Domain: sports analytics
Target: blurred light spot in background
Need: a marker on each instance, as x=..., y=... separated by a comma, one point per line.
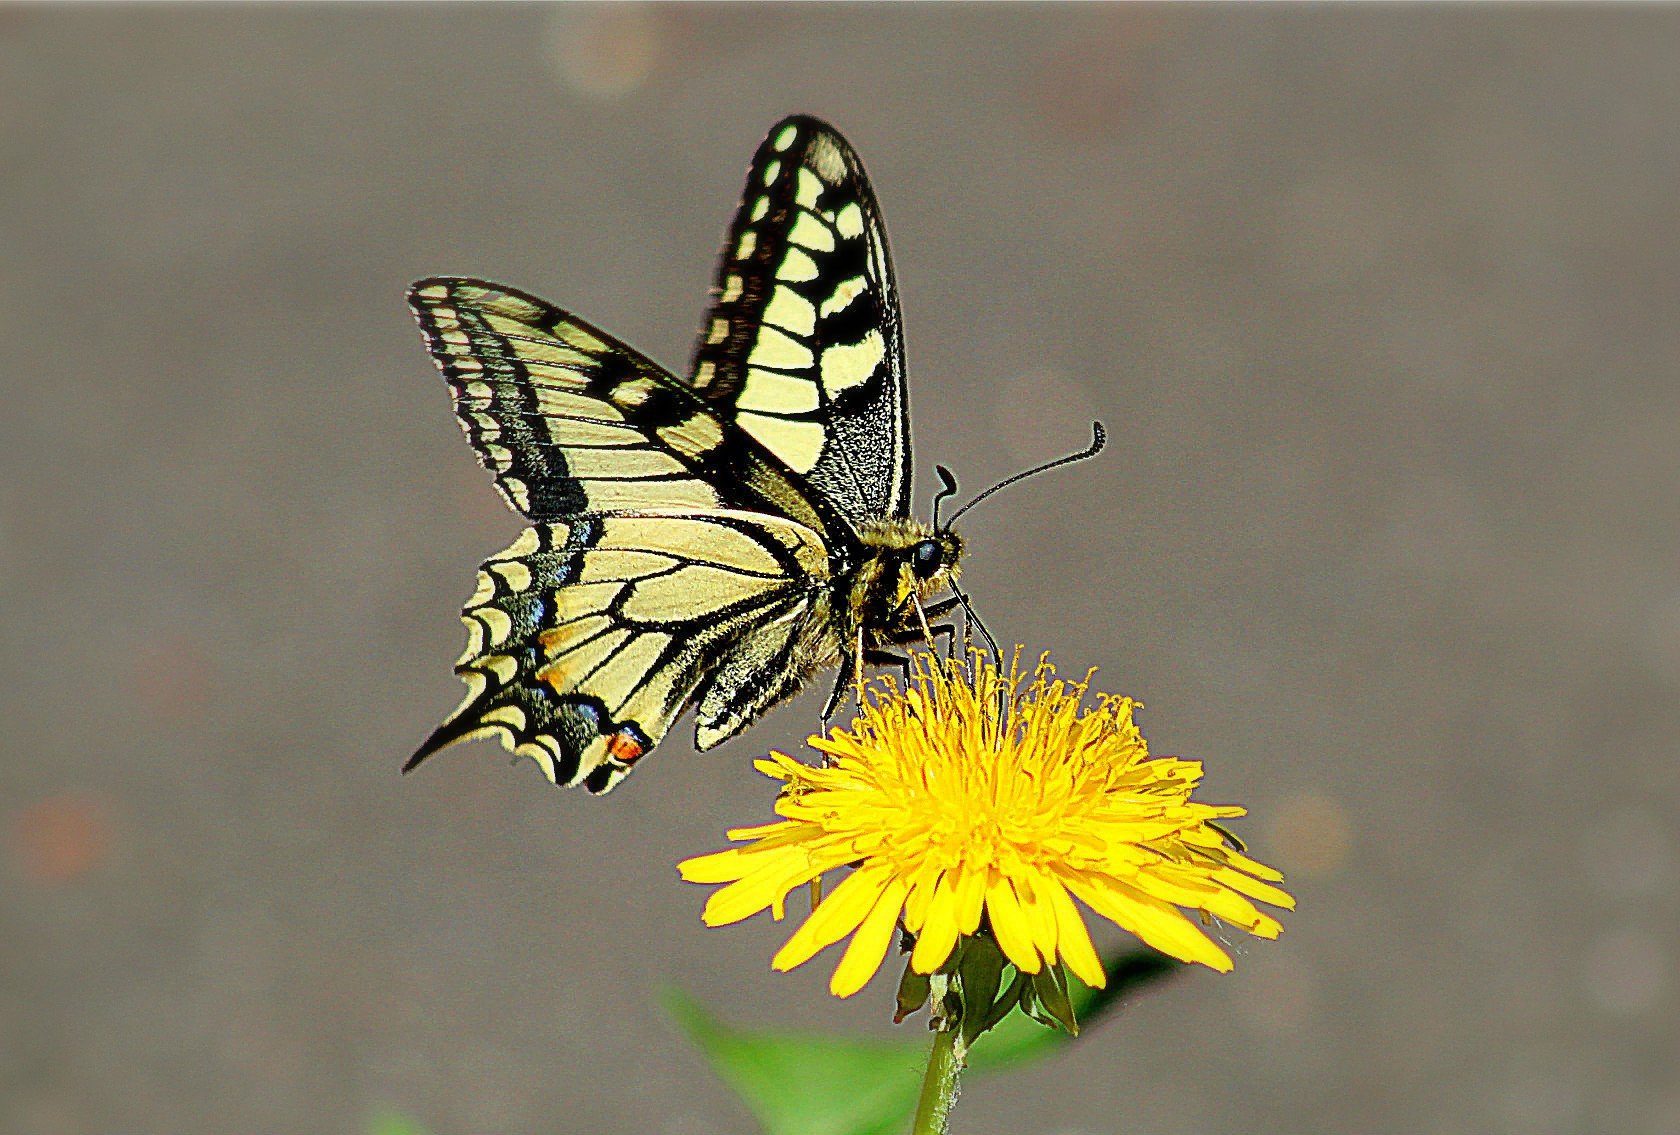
x=1629, y=853
x=171, y=679
x=1626, y=972
x=1041, y=414
x=61, y=838
x=1276, y=993
x=1661, y=640
x=1091, y=85
x=1308, y=835
x=607, y=51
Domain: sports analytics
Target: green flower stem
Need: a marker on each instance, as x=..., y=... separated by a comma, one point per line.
x=939, y=1085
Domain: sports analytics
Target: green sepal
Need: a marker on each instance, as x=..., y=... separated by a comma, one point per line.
x=913, y=990
x=1007, y=1002
x=1050, y=989
x=979, y=975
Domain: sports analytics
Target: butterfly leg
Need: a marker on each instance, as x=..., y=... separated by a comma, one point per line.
x=834, y=697
x=857, y=667
x=921, y=617
x=839, y=689
x=947, y=631
x=890, y=658
x=934, y=611
x=928, y=632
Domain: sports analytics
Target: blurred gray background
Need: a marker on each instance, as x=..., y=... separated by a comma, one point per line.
x=1380, y=305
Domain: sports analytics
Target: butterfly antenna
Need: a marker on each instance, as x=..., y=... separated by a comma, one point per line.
x=1099, y=438
x=947, y=489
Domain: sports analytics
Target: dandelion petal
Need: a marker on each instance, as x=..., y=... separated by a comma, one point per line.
x=938, y=933
x=869, y=944
x=835, y=917
x=1157, y=923
x=1009, y=923
x=1073, y=940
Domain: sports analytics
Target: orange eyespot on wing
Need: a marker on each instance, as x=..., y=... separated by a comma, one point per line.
x=624, y=748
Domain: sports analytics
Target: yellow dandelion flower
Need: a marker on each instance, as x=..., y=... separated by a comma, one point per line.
x=971, y=796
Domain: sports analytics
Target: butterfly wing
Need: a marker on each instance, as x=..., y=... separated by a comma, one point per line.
x=588, y=637
x=572, y=421
x=673, y=562
x=803, y=344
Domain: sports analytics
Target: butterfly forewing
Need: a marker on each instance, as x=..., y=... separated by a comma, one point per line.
x=570, y=420
x=803, y=344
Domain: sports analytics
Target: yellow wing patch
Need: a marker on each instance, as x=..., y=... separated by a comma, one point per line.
x=568, y=420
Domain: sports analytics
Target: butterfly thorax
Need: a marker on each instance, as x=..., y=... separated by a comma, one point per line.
x=904, y=562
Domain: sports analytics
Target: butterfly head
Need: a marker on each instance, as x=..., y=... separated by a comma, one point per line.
x=908, y=561
x=932, y=561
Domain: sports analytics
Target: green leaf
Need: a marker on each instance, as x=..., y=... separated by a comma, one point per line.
x=385, y=1122
x=809, y=1085
x=804, y=1084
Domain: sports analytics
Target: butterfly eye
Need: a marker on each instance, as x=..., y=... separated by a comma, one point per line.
x=924, y=558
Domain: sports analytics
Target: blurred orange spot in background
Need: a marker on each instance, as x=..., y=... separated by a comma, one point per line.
x=1089, y=85
x=61, y=838
x=607, y=52
x=1308, y=836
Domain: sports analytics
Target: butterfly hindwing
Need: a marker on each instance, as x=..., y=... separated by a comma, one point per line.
x=588, y=637
x=803, y=343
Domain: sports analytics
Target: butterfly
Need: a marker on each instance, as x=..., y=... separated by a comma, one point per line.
x=712, y=543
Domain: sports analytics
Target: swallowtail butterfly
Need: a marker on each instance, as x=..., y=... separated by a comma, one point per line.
x=711, y=543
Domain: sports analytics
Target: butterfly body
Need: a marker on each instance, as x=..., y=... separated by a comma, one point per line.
x=710, y=544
